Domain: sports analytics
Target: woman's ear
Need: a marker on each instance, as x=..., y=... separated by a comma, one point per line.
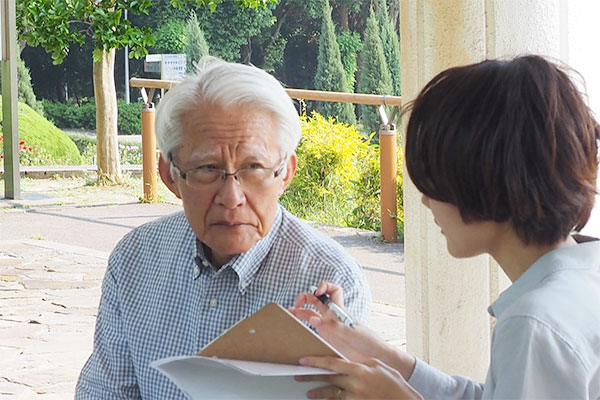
x=164, y=169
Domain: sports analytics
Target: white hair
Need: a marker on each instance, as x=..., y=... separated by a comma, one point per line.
x=225, y=84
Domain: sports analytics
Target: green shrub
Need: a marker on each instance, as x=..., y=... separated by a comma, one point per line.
x=337, y=181
x=73, y=116
x=49, y=145
x=130, y=118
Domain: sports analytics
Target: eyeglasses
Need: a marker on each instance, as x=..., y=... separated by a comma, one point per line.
x=254, y=175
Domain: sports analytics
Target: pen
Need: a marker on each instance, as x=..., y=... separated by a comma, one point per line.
x=341, y=314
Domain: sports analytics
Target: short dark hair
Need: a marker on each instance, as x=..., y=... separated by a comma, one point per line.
x=509, y=140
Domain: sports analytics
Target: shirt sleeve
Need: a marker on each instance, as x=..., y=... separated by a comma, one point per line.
x=532, y=360
x=109, y=372
x=357, y=294
x=434, y=384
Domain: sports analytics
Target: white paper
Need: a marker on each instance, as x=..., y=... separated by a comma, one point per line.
x=214, y=378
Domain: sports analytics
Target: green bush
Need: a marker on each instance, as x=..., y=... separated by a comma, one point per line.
x=130, y=118
x=45, y=143
x=73, y=116
x=337, y=181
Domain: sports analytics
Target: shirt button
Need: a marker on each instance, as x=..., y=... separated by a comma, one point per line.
x=213, y=302
x=243, y=284
x=205, y=263
x=196, y=271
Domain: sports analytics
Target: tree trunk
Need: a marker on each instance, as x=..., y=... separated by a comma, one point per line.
x=109, y=169
x=343, y=10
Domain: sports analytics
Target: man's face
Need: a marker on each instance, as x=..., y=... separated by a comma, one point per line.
x=228, y=216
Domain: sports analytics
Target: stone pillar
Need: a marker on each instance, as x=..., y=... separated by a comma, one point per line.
x=447, y=324
x=446, y=299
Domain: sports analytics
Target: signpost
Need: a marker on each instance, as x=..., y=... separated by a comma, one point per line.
x=170, y=66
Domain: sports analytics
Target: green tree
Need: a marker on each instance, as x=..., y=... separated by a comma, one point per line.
x=350, y=45
x=24, y=88
x=170, y=38
x=375, y=76
x=196, y=46
x=330, y=72
x=391, y=45
x=229, y=29
x=56, y=24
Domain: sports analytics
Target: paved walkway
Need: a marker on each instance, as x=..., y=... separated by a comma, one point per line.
x=50, y=288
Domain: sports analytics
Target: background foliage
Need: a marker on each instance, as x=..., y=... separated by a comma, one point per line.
x=50, y=144
x=73, y=116
x=338, y=176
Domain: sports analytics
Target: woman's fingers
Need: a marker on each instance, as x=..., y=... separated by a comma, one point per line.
x=308, y=315
x=325, y=392
x=335, y=364
x=334, y=291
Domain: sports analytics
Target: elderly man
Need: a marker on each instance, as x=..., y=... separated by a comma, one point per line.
x=227, y=136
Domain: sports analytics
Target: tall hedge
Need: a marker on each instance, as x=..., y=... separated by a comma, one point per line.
x=391, y=45
x=375, y=76
x=330, y=74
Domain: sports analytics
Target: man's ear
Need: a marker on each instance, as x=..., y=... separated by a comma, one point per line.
x=164, y=169
x=292, y=165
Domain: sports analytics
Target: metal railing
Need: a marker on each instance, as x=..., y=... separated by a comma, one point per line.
x=387, y=141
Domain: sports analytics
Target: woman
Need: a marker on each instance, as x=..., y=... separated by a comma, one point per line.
x=505, y=154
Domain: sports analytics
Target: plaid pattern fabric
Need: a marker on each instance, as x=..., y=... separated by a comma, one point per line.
x=161, y=297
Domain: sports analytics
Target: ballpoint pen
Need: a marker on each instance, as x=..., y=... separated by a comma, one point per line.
x=337, y=310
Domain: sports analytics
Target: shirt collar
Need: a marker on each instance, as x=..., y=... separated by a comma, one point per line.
x=581, y=256
x=247, y=264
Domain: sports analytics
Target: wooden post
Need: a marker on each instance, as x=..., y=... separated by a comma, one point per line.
x=149, y=154
x=387, y=163
x=10, y=109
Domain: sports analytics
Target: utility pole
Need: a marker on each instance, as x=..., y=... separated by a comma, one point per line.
x=10, y=111
x=126, y=69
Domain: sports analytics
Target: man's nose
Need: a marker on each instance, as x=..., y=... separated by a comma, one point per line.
x=230, y=194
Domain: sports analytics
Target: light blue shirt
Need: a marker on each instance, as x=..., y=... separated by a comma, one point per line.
x=161, y=297
x=546, y=342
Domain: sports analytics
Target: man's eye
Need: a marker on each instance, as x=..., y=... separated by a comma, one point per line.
x=254, y=166
x=209, y=167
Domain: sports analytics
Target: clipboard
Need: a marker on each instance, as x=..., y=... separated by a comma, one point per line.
x=270, y=335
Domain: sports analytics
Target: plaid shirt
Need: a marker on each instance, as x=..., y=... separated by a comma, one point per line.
x=161, y=297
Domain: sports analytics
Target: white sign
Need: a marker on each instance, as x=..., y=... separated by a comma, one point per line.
x=172, y=67
x=153, y=57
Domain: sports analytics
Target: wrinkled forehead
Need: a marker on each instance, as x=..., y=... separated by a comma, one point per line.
x=241, y=150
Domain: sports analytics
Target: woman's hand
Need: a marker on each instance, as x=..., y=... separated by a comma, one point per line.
x=372, y=379
x=356, y=344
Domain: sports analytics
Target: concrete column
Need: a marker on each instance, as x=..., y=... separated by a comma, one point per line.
x=447, y=324
x=446, y=299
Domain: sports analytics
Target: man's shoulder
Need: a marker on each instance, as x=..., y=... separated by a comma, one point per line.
x=297, y=233
x=170, y=229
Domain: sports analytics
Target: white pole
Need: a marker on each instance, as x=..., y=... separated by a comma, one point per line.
x=126, y=70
